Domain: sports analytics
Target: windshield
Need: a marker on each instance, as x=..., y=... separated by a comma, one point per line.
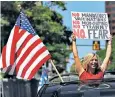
x=70, y=77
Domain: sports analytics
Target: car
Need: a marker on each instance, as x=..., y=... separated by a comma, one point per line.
x=73, y=87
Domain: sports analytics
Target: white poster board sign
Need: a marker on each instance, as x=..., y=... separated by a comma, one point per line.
x=90, y=25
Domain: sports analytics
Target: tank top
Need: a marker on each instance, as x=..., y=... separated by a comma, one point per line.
x=88, y=76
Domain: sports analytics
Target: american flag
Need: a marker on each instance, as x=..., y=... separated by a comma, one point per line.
x=24, y=51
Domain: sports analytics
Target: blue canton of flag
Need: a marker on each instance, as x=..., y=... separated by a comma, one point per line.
x=23, y=22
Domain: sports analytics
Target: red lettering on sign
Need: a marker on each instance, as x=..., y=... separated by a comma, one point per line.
x=79, y=33
x=76, y=22
x=82, y=34
x=75, y=14
x=76, y=26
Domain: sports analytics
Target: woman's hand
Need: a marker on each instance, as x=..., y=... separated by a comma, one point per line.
x=110, y=40
x=73, y=37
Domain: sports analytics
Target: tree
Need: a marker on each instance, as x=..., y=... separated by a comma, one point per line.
x=102, y=53
x=47, y=23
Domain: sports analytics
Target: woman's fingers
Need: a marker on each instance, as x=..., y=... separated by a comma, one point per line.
x=73, y=37
x=110, y=37
x=110, y=40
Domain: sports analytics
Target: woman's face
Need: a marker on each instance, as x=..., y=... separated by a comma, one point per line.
x=93, y=62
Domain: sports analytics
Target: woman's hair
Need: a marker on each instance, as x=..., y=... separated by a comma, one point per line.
x=88, y=58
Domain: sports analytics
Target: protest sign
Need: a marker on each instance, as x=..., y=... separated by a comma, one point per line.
x=90, y=25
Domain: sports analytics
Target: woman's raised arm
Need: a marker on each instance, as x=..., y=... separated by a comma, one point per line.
x=78, y=64
x=108, y=54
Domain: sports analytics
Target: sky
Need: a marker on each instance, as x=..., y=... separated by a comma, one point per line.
x=82, y=6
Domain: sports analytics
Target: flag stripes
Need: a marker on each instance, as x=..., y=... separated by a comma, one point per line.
x=3, y=57
x=33, y=59
x=31, y=71
x=8, y=53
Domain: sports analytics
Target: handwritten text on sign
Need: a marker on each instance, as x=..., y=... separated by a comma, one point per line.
x=90, y=25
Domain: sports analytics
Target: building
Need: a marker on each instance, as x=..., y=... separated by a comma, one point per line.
x=110, y=9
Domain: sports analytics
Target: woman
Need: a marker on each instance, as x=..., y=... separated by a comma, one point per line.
x=90, y=68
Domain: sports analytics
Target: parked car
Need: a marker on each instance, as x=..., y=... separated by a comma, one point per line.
x=72, y=87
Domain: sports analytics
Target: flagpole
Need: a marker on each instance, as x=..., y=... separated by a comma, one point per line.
x=56, y=70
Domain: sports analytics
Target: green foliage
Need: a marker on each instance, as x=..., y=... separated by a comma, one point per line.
x=102, y=54
x=4, y=21
x=1, y=75
x=58, y=4
x=45, y=22
x=59, y=52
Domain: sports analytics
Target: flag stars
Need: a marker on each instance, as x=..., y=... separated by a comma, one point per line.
x=25, y=24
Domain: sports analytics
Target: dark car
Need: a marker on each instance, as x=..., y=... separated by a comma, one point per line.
x=72, y=87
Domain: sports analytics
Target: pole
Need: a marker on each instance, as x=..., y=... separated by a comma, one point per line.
x=56, y=71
